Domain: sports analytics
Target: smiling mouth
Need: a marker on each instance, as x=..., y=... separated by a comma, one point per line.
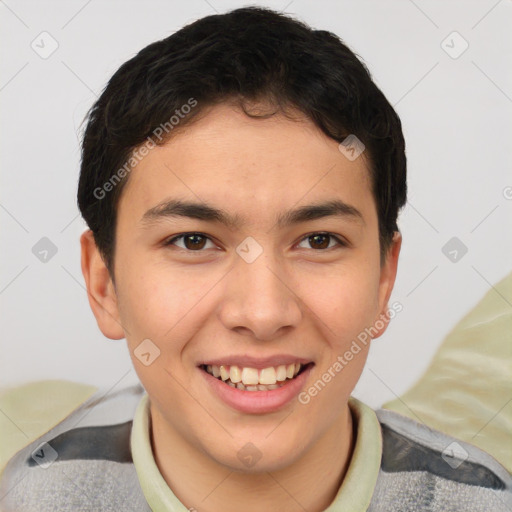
x=253, y=379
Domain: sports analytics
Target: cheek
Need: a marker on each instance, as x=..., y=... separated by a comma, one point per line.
x=346, y=307
x=166, y=308
x=159, y=304
x=347, y=303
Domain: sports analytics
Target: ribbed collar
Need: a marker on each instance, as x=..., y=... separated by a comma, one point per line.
x=355, y=493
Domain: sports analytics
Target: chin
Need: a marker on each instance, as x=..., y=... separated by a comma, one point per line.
x=253, y=454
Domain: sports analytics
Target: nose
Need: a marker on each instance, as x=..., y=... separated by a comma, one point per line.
x=259, y=299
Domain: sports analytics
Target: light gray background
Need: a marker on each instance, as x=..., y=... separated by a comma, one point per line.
x=456, y=116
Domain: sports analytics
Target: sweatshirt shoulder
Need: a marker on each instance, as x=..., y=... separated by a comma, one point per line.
x=437, y=471
x=32, y=409
x=91, y=445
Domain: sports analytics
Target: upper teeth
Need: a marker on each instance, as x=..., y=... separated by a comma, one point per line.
x=253, y=376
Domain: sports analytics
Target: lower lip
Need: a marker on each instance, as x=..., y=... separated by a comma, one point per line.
x=257, y=402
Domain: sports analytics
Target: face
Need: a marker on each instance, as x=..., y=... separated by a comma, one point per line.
x=228, y=264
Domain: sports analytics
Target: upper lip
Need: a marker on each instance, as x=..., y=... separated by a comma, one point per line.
x=246, y=361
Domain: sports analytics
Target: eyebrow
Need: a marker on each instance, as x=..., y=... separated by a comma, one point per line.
x=202, y=211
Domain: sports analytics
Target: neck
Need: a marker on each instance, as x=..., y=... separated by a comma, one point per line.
x=198, y=481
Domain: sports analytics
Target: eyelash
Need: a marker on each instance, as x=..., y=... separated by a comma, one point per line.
x=340, y=242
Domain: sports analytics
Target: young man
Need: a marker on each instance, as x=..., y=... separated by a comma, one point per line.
x=242, y=180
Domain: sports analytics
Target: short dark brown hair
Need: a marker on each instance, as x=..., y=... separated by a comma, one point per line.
x=247, y=55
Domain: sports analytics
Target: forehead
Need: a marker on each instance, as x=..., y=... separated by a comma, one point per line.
x=256, y=165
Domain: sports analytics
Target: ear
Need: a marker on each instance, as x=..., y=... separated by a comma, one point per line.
x=386, y=283
x=100, y=289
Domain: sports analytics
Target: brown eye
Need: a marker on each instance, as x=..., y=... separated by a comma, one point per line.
x=320, y=241
x=193, y=242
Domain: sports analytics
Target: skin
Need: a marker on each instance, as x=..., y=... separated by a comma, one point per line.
x=295, y=298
